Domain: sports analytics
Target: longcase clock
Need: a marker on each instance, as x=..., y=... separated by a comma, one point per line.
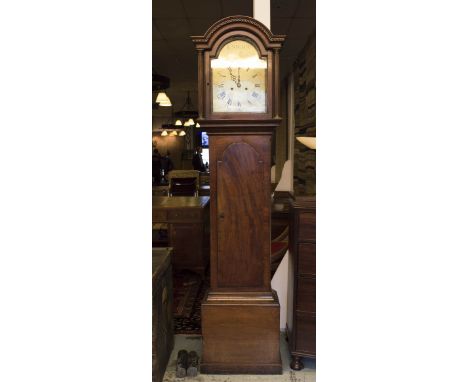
x=238, y=90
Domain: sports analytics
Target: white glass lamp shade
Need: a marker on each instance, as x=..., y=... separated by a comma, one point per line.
x=163, y=99
x=178, y=122
x=191, y=122
x=187, y=124
x=182, y=133
x=310, y=142
x=173, y=133
x=197, y=125
x=164, y=133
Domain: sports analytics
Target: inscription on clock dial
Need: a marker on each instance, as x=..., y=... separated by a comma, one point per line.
x=238, y=79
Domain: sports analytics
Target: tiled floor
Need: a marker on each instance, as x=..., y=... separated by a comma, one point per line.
x=194, y=343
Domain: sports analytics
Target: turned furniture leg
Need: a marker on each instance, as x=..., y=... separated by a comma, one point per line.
x=296, y=363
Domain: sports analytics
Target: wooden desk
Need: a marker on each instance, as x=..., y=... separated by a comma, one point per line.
x=187, y=219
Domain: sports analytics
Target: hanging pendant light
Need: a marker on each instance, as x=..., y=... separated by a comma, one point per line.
x=191, y=122
x=163, y=100
x=197, y=125
x=188, y=110
x=182, y=133
x=186, y=124
x=178, y=122
x=164, y=133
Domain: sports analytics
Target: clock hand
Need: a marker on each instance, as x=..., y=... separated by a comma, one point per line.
x=233, y=77
x=238, y=78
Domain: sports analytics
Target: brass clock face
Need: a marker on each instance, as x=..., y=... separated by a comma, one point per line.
x=239, y=79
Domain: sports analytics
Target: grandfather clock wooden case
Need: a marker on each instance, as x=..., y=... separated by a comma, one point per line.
x=238, y=90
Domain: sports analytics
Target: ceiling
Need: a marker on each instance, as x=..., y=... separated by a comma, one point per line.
x=174, y=21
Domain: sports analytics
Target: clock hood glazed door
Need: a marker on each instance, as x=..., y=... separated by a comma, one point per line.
x=239, y=81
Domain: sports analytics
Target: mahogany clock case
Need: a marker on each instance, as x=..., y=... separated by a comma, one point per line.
x=240, y=313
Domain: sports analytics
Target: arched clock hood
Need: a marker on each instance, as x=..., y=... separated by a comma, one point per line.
x=208, y=47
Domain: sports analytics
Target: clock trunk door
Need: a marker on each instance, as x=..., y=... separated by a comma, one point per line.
x=243, y=221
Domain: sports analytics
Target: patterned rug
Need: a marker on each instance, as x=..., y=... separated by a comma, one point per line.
x=189, y=290
x=186, y=288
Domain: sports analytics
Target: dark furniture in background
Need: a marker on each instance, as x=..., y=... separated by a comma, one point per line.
x=163, y=331
x=204, y=179
x=186, y=219
x=183, y=187
x=301, y=284
x=204, y=190
x=183, y=182
x=204, y=184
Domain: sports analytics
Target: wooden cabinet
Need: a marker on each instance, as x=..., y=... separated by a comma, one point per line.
x=301, y=287
x=187, y=220
x=163, y=331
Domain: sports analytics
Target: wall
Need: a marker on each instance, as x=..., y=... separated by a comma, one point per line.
x=304, y=113
x=281, y=134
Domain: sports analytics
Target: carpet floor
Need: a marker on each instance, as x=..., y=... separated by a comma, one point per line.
x=189, y=290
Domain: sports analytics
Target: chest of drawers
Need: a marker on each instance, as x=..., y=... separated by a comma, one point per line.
x=301, y=281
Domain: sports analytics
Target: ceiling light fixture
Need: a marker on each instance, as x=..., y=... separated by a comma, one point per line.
x=163, y=100
x=188, y=111
x=178, y=122
x=164, y=133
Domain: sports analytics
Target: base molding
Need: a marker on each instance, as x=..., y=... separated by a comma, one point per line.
x=241, y=334
x=227, y=368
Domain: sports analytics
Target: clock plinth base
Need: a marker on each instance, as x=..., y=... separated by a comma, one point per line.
x=241, y=334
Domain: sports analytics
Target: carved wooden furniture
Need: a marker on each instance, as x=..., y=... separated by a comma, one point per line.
x=238, y=90
x=301, y=287
x=163, y=331
x=187, y=220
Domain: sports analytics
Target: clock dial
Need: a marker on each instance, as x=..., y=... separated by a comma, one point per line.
x=239, y=79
